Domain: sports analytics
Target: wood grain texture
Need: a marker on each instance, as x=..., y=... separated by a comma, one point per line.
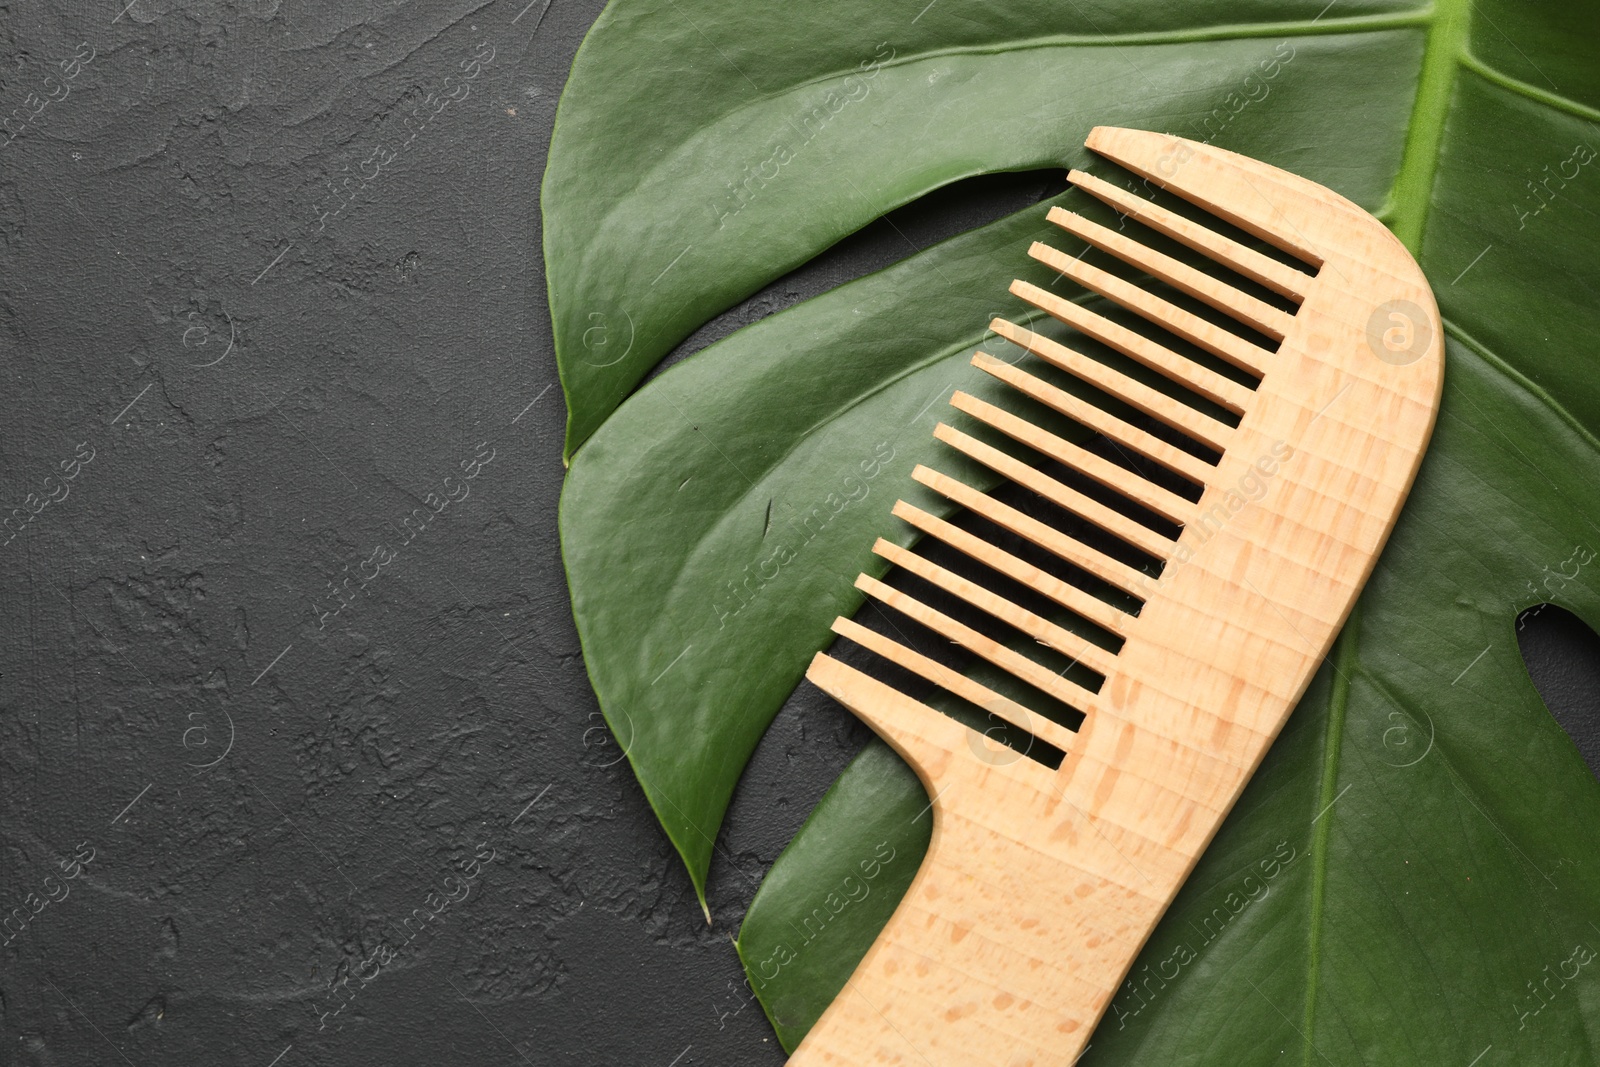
x=1040, y=885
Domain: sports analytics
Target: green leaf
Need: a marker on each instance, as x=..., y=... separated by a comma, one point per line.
x=839, y=884
x=740, y=144
x=667, y=511
x=1434, y=832
x=1420, y=758
x=1434, y=826
x=713, y=529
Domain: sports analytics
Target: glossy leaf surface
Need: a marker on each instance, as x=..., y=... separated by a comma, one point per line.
x=1414, y=860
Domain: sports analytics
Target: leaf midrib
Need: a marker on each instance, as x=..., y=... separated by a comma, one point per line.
x=1344, y=652
x=1410, y=199
x=1412, y=192
x=1407, y=214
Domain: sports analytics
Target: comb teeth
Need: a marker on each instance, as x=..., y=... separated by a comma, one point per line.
x=1111, y=619
x=1244, y=260
x=1182, y=408
x=1122, y=433
x=1252, y=203
x=1063, y=496
x=1220, y=295
x=1163, y=502
x=1185, y=324
x=1136, y=394
x=1013, y=663
x=957, y=683
x=1044, y=879
x=1075, y=552
x=1035, y=626
x=1203, y=380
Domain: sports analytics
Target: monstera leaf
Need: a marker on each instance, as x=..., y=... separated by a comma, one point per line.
x=1410, y=875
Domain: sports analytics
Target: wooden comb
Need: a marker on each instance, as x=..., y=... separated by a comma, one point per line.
x=1041, y=885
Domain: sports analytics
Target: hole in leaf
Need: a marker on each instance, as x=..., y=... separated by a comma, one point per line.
x=1562, y=656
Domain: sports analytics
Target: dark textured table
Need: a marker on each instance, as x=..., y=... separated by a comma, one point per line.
x=300, y=761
